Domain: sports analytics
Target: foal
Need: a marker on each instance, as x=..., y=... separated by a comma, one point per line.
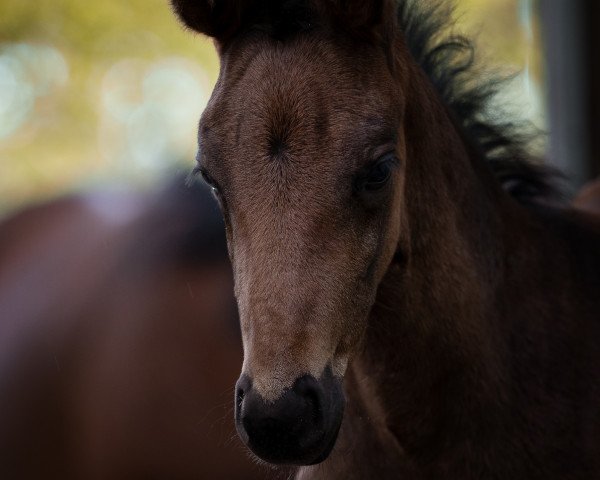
x=394, y=253
x=589, y=197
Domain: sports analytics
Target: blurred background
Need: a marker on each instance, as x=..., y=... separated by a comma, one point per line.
x=111, y=92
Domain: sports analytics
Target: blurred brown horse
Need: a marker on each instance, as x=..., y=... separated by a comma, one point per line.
x=119, y=340
x=588, y=198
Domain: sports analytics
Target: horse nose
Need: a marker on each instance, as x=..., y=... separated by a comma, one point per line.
x=289, y=430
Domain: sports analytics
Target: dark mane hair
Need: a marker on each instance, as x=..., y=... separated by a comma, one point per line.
x=506, y=143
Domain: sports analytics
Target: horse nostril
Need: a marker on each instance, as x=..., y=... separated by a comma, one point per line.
x=239, y=396
x=243, y=386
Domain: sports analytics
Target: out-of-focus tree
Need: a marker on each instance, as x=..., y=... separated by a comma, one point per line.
x=82, y=88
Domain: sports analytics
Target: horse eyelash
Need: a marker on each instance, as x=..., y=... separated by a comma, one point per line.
x=193, y=176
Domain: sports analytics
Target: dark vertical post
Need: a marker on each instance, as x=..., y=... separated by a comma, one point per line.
x=593, y=62
x=565, y=47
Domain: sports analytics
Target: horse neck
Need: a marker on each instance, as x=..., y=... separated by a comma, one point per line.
x=433, y=346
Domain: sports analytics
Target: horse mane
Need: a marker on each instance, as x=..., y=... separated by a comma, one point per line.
x=505, y=142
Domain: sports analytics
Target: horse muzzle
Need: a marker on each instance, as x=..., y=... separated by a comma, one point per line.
x=298, y=428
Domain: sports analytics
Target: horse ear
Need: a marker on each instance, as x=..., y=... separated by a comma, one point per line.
x=219, y=19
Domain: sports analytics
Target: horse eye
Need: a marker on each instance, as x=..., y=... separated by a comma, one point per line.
x=210, y=182
x=379, y=174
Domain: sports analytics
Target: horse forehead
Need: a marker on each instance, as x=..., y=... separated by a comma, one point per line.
x=284, y=115
x=307, y=83
x=284, y=137
x=279, y=108
x=308, y=54
x=298, y=70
